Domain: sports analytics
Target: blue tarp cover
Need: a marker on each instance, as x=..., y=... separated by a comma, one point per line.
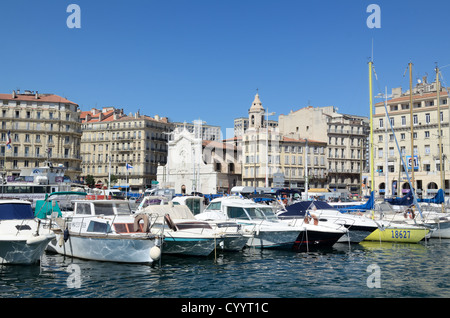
x=16, y=211
x=361, y=207
x=405, y=200
x=299, y=209
x=438, y=198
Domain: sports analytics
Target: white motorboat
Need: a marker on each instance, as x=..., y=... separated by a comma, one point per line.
x=234, y=238
x=182, y=233
x=359, y=227
x=105, y=230
x=268, y=231
x=22, y=237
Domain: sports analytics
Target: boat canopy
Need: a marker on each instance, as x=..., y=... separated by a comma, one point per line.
x=360, y=207
x=438, y=198
x=45, y=208
x=261, y=197
x=299, y=209
x=16, y=211
x=405, y=200
x=286, y=191
x=175, y=211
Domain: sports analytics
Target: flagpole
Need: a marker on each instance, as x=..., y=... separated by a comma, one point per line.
x=126, y=181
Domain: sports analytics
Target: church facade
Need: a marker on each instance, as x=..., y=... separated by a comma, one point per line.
x=196, y=165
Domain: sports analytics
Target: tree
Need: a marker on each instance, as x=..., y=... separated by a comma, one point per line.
x=89, y=180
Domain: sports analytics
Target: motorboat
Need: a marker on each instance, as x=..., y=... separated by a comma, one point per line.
x=320, y=212
x=145, y=201
x=259, y=219
x=234, y=238
x=22, y=237
x=315, y=235
x=105, y=230
x=183, y=234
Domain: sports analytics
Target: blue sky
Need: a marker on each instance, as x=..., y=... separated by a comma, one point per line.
x=205, y=59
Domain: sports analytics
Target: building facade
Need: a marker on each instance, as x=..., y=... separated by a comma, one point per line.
x=129, y=147
x=422, y=124
x=196, y=165
x=201, y=130
x=40, y=127
x=274, y=159
x=345, y=139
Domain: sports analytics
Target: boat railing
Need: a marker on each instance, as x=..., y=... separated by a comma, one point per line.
x=175, y=226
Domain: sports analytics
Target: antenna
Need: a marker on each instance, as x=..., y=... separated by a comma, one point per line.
x=372, y=49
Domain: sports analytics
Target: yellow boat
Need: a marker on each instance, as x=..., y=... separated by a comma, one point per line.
x=398, y=233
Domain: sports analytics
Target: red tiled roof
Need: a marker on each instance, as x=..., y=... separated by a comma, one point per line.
x=50, y=98
x=106, y=116
x=415, y=97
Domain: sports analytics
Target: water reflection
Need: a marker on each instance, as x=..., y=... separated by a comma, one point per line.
x=406, y=270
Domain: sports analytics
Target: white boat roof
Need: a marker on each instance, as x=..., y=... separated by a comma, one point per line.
x=102, y=201
x=175, y=211
x=235, y=200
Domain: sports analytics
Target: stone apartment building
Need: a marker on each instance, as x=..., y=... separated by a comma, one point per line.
x=428, y=113
x=344, y=137
x=272, y=158
x=112, y=139
x=41, y=127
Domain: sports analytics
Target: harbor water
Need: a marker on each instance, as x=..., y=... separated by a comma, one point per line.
x=365, y=270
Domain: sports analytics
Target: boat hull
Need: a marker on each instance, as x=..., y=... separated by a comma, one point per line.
x=273, y=239
x=25, y=251
x=442, y=230
x=234, y=243
x=312, y=239
x=398, y=234
x=109, y=248
x=356, y=234
x=189, y=246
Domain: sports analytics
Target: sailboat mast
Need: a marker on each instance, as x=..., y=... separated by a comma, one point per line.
x=441, y=164
x=411, y=124
x=372, y=182
x=386, y=177
x=438, y=87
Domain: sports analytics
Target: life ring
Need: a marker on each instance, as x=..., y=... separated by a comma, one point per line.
x=137, y=219
x=409, y=214
x=169, y=222
x=313, y=217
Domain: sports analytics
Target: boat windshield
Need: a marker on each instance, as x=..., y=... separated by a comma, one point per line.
x=251, y=213
x=214, y=206
x=262, y=213
x=112, y=208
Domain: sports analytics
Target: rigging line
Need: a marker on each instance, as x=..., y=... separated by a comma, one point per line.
x=403, y=163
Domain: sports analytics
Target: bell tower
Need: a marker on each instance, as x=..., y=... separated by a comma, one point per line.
x=256, y=114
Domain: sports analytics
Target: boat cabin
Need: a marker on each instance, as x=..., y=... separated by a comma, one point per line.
x=242, y=209
x=101, y=207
